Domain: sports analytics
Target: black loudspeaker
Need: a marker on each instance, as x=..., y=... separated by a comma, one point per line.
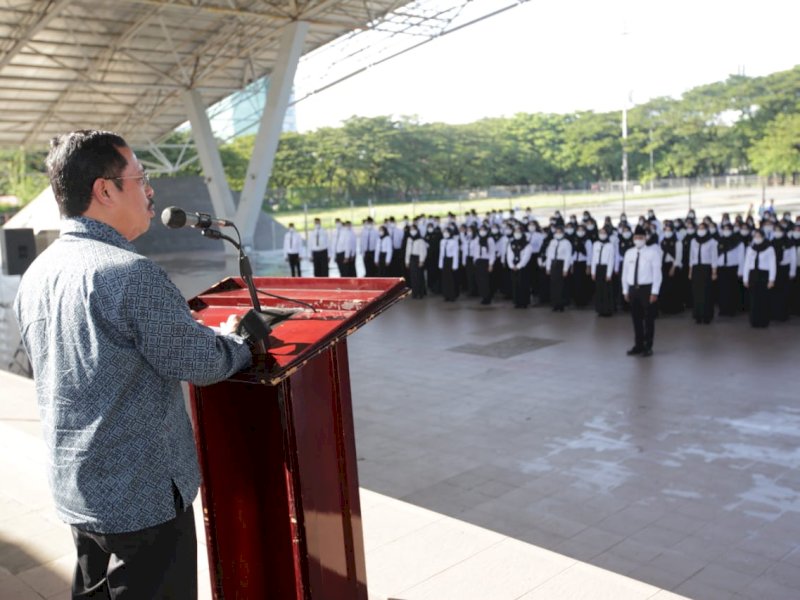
x=18, y=248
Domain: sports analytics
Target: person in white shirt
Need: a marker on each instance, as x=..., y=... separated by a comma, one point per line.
x=641, y=284
x=581, y=271
x=536, y=238
x=557, y=264
x=518, y=256
x=730, y=251
x=345, y=251
x=703, y=260
x=448, y=263
x=759, y=278
x=369, y=242
x=483, y=252
x=383, y=252
x=670, y=299
x=292, y=248
x=416, y=251
x=398, y=237
x=786, y=264
x=318, y=245
x=334, y=243
x=468, y=234
x=604, y=259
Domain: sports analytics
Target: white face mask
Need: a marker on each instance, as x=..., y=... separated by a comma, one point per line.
x=689, y=231
x=603, y=237
x=757, y=240
x=590, y=227
x=581, y=234
x=681, y=234
x=446, y=235
x=726, y=233
x=559, y=236
x=569, y=230
x=626, y=235
x=701, y=233
x=639, y=243
x=517, y=235
x=779, y=234
x=668, y=234
x=413, y=232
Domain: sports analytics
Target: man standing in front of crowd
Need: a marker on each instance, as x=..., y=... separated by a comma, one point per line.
x=318, y=248
x=292, y=248
x=109, y=338
x=369, y=242
x=641, y=283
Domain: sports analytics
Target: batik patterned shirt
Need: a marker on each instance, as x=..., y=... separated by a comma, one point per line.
x=110, y=338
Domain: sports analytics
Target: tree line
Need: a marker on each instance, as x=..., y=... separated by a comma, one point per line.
x=740, y=125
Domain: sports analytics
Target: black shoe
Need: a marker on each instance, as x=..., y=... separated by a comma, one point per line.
x=647, y=352
x=635, y=350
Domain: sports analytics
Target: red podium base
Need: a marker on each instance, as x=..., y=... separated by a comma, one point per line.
x=277, y=448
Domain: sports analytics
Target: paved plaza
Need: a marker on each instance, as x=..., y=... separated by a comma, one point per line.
x=679, y=470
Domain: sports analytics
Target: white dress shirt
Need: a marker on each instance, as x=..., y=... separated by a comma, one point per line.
x=703, y=254
x=449, y=251
x=477, y=251
x=384, y=246
x=732, y=258
x=604, y=253
x=677, y=259
x=559, y=250
x=369, y=239
x=524, y=259
x=318, y=239
x=536, y=240
x=417, y=247
x=397, y=235
x=649, y=269
x=346, y=243
x=583, y=250
x=766, y=262
x=790, y=260
x=292, y=243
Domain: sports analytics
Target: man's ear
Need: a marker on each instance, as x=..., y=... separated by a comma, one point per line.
x=100, y=191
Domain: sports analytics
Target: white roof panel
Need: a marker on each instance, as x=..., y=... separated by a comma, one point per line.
x=122, y=64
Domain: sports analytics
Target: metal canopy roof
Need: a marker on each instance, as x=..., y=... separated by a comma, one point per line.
x=123, y=64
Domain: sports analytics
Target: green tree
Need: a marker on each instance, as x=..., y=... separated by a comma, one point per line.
x=778, y=152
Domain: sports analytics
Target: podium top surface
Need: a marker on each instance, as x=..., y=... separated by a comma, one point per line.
x=340, y=306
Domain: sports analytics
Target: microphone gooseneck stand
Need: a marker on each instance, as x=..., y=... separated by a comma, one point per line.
x=245, y=269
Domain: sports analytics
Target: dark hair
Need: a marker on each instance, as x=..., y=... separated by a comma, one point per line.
x=76, y=160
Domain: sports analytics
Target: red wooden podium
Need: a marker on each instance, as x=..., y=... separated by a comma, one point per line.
x=277, y=449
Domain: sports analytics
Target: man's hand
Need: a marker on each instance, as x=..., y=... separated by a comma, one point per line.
x=230, y=326
x=588, y=270
x=770, y=285
x=713, y=275
x=672, y=272
x=627, y=297
x=594, y=277
x=653, y=299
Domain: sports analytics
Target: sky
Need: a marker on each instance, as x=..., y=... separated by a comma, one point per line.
x=566, y=55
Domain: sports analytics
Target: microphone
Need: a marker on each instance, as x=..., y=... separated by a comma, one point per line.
x=175, y=218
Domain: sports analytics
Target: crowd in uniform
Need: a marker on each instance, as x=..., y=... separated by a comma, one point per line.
x=746, y=263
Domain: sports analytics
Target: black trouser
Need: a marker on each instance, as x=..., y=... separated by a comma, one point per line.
x=643, y=313
x=383, y=269
x=320, y=258
x=370, y=270
x=159, y=562
x=702, y=294
x=759, y=298
x=340, y=262
x=483, y=280
x=729, y=297
x=416, y=279
x=294, y=265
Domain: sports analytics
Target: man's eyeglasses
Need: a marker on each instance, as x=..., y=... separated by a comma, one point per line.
x=144, y=178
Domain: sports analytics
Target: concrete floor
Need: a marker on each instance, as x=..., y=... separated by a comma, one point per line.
x=679, y=470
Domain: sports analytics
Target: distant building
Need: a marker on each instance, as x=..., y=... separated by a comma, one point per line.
x=239, y=113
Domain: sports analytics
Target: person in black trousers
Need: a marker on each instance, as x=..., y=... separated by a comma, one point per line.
x=641, y=283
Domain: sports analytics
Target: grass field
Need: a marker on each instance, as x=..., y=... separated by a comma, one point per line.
x=541, y=205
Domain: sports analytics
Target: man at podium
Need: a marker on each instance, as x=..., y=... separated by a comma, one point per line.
x=110, y=338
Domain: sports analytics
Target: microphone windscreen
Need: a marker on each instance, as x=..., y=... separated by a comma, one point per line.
x=173, y=217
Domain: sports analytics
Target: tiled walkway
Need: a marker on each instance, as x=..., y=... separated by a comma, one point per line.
x=412, y=553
